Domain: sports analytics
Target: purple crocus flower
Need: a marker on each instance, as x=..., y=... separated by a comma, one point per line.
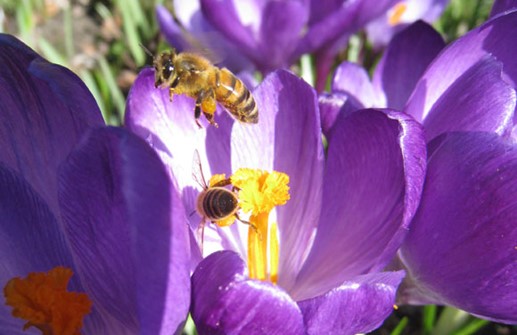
x=345, y=219
x=461, y=247
x=91, y=198
x=274, y=34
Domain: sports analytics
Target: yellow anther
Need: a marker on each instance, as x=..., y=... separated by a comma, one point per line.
x=43, y=301
x=259, y=192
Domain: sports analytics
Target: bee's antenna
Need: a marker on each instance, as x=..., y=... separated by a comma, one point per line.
x=147, y=51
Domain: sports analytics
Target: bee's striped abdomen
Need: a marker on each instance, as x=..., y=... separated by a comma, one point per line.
x=235, y=97
x=218, y=203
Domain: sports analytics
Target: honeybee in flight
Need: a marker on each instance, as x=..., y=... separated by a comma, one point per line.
x=194, y=75
x=215, y=203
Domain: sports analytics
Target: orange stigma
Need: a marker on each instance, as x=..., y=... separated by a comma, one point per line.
x=43, y=301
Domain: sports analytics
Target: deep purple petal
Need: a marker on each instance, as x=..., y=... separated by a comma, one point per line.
x=225, y=301
x=495, y=38
x=479, y=100
x=373, y=181
x=501, y=6
x=331, y=106
x=281, y=26
x=346, y=19
x=357, y=306
x=461, y=247
x=126, y=227
x=224, y=16
x=266, y=32
x=404, y=62
x=45, y=110
x=287, y=138
x=170, y=29
x=353, y=80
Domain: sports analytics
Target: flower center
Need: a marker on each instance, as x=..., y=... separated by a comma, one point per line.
x=260, y=192
x=43, y=301
x=396, y=13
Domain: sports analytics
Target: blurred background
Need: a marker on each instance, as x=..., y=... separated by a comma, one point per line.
x=101, y=42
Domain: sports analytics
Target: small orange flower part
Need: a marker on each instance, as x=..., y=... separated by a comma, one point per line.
x=42, y=300
x=396, y=13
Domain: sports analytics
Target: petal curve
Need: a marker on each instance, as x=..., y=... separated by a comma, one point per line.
x=359, y=305
x=373, y=182
x=224, y=301
x=461, y=248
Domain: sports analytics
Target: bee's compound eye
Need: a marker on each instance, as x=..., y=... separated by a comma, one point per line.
x=168, y=69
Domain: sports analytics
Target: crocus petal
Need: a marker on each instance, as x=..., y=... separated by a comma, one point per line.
x=404, y=61
x=495, y=38
x=331, y=106
x=350, y=16
x=461, y=249
x=126, y=227
x=357, y=306
x=172, y=32
x=479, y=100
x=270, y=39
x=501, y=6
x=373, y=180
x=224, y=16
x=353, y=80
x=287, y=137
x=281, y=26
x=45, y=110
x=224, y=301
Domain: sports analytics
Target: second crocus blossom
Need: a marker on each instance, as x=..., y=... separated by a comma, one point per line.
x=93, y=240
x=460, y=250
x=344, y=220
x=272, y=34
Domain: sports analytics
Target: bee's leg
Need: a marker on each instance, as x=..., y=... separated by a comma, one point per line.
x=172, y=87
x=249, y=224
x=197, y=114
x=206, y=100
x=222, y=183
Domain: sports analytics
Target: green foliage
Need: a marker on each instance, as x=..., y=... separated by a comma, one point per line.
x=461, y=16
x=111, y=31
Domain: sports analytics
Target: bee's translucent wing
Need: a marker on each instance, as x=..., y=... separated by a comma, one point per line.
x=197, y=171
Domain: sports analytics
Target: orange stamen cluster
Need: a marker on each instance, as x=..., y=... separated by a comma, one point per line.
x=42, y=300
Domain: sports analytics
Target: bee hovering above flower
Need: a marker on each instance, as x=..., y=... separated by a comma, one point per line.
x=215, y=202
x=194, y=75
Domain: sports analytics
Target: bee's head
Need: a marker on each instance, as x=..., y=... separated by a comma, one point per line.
x=165, y=71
